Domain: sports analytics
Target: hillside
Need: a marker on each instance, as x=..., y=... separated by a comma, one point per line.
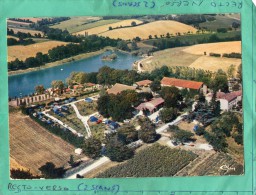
x=193, y=56
x=105, y=27
x=32, y=32
x=220, y=48
x=31, y=146
x=22, y=52
x=154, y=28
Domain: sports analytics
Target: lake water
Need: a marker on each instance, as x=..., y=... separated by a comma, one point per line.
x=24, y=84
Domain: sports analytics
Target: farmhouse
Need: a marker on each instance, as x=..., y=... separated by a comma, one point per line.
x=151, y=106
x=184, y=84
x=118, y=88
x=227, y=100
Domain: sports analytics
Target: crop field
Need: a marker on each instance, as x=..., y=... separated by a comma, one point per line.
x=220, y=48
x=22, y=52
x=193, y=56
x=103, y=26
x=210, y=164
x=76, y=24
x=154, y=28
x=32, y=32
x=32, y=146
x=221, y=22
x=12, y=23
x=213, y=63
x=154, y=161
x=33, y=19
x=196, y=38
x=169, y=57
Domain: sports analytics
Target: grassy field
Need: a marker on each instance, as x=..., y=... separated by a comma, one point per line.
x=76, y=24
x=196, y=38
x=12, y=23
x=32, y=32
x=220, y=48
x=22, y=52
x=71, y=120
x=193, y=56
x=213, y=63
x=154, y=28
x=31, y=146
x=103, y=26
x=86, y=108
x=33, y=19
x=169, y=57
x=221, y=22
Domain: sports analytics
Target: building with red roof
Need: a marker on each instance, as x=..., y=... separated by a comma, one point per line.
x=184, y=84
x=151, y=106
x=143, y=83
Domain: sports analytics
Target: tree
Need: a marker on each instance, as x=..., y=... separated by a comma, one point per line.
x=150, y=37
x=134, y=45
x=182, y=136
x=110, y=28
x=231, y=70
x=39, y=89
x=239, y=72
x=103, y=105
x=122, y=45
x=127, y=133
x=168, y=114
x=58, y=85
x=147, y=132
x=71, y=160
x=220, y=82
x=116, y=150
x=92, y=147
x=49, y=171
x=22, y=174
x=133, y=23
x=171, y=95
x=235, y=25
x=155, y=86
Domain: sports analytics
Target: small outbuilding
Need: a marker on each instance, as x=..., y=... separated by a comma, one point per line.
x=93, y=119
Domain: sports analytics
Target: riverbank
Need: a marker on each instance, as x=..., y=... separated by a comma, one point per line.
x=61, y=62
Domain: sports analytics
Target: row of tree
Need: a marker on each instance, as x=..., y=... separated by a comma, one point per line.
x=91, y=43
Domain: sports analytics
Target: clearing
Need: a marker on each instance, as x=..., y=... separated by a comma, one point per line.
x=31, y=145
x=104, y=27
x=76, y=24
x=22, y=52
x=220, y=48
x=154, y=28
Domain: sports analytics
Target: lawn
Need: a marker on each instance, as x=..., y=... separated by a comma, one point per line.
x=86, y=108
x=71, y=120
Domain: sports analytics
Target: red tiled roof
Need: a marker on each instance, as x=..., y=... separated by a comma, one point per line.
x=144, y=82
x=229, y=96
x=118, y=88
x=151, y=105
x=181, y=83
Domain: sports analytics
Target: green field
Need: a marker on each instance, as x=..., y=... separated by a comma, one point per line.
x=221, y=22
x=76, y=24
x=196, y=38
x=154, y=161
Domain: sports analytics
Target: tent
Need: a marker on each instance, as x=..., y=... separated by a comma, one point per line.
x=114, y=125
x=93, y=119
x=88, y=100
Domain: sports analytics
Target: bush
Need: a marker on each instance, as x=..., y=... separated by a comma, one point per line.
x=215, y=54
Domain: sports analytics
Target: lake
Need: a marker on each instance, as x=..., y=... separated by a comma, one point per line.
x=24, y=84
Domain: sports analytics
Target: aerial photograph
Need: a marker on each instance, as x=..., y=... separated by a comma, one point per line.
x=125, y=96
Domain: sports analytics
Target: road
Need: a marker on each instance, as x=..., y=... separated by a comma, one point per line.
x=140, y=70
x=95, y=165
x=177, y=120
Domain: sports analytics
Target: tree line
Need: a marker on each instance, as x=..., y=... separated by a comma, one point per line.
x=90, y=44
